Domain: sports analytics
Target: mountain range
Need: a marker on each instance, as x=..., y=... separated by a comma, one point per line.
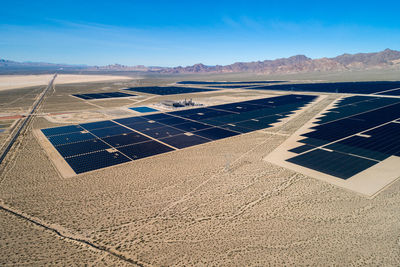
x=295, y=64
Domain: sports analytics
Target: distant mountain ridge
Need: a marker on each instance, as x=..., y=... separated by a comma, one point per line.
x=295, y=64
x=300, y=63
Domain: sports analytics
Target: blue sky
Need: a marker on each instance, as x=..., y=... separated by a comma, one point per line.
x=172, y=33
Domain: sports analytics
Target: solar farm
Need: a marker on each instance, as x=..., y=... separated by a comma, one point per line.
x=255, y=171
x=96, y=145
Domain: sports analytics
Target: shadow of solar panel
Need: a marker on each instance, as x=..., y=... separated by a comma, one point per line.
x=162, y=132
x=146, y=149
x=192, y=126
x=96, y=160
x=333, y=163
x=130, y=120
x=83, y=147
x=182, y=140
x=110, y=131
x=301, y=149
x=125, y=139
x=98, y=125
x=61, y=130
x=57, y=140
x=145, y=126
x=215, y=133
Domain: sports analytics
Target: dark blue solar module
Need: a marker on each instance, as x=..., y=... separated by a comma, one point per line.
x=62, y=130
x=98, y=125
x=145, y=126
x=333, y=163
x=162, y=132
x=173, y=121
x=301, y=149
x=192, y=126
x=360, y=128
x=79, y=148
x=391, y=92
x=110, y=131
x=125, y=139
x=146, y=149
x=182, y=140
x=157, y=117
x=63, y=139
x=341, y=87
x=131, y=120
x=96, y=160
x=222, y=83
x=143, y=109
x=170, y=90
x=215, y=133
x=151, y=131
x=102, y=95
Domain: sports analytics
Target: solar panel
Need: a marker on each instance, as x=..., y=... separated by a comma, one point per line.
x=182, y=140
x=341, y=87
x=125, y=139
x=358, y=130
x=68, y=138
x=84, y=147
x=178, y=129
x=143, y=150
x=62, y=130
x=215, y=133
x=110, y=131
x=171, y=90
x=97, y=125
x=96, y=160
x=104, y=95
x=337, y=164
x=162, y=132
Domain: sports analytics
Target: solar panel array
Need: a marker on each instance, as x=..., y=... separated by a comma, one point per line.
x=227, y=83
x=96, y=145
x=102, y=95
x=341, y=87
x=168, y=90
x=358, y=133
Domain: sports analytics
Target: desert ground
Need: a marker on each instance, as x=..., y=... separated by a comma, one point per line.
x=214, y=204
x=19, y=81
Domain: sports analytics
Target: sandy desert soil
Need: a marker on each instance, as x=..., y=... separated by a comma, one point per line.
x=20, y=81
x=213, y=204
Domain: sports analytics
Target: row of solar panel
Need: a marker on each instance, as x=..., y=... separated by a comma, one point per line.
x=102, y=95
x=352, y=143
x=132, y=138
x=227, y=83
x=168, y=90
x=354, y=105
x=341, y=87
